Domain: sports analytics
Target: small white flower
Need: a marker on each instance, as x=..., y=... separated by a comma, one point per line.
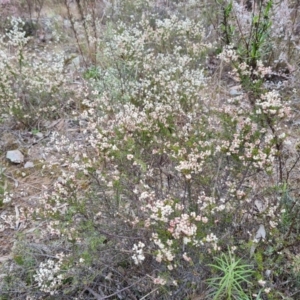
x=138, y=257
x=129, y=156
x=262, y=282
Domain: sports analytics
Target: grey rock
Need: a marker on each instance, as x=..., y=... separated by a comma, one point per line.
x=235, y=92
x=15, y=156
x=28, y=164
x=76, y=62
x=39, y=135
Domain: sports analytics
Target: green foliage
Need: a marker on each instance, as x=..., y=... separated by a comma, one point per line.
x=227, y=30
x=250, y=45
x=91, y=73
x=5, y=196
x=234, y=278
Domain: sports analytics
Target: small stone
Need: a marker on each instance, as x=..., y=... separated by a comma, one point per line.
x=15, y=156
x=29, y=164
x=76, y=61
x=39, y=135
x=235, y=92
x=268, y=273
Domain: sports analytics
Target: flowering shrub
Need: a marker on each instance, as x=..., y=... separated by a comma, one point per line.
x=32, y=86
x=168, y=170
x=48, y=277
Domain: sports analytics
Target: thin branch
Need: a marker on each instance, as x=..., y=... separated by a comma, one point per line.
x=99, y=297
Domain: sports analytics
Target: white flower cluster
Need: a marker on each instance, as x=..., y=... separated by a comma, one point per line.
x=159, y=281
x=32, y=84
x=7, y=197
x=182, y=226
x=16, y=36
x=272, y=104
x=213, y=240
x=193, y=163
x=164, y=253
x=161, y=210
x=49, y=276
x=228, y=54
x=138, y=256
